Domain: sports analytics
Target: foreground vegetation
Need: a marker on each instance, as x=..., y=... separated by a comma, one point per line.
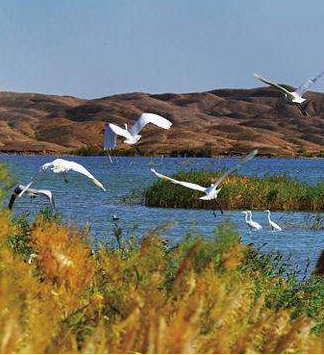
x=238, y=192
x=214, y=296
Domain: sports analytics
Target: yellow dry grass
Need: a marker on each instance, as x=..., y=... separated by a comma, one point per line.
x=198, y=298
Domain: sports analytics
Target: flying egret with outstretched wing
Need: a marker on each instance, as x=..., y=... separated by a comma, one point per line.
x=131, y=134
x=63, y=166
x=294, y=97
x=211, y=191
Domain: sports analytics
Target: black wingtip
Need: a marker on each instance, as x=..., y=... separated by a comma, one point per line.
x=12, y=200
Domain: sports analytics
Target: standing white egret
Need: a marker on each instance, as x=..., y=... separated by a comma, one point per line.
x=251, y=224
x=294, y=97
x=32, y=193
x=211, y=191
x=273, y=225
x=256, y=224
x=63, y=166
x=132, y=133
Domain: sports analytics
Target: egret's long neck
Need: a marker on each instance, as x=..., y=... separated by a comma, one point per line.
x=246, y=217
x=269, y=216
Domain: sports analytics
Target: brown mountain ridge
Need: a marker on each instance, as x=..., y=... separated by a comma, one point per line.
x=224, y=121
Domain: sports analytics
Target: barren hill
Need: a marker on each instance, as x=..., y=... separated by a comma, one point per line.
x=229, y=121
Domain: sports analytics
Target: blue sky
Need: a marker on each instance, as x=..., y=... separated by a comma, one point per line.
x=94, y=48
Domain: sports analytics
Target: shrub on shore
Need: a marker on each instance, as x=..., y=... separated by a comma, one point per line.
x=238, y=192
x=94, y=151
x=134, y=151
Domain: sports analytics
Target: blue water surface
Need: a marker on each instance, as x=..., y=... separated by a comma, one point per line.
x=81, y=202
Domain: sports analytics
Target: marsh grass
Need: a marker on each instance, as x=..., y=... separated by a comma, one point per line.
x=144, y=296
x=238, y=192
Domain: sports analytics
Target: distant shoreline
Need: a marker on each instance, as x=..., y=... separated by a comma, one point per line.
x=171, y=155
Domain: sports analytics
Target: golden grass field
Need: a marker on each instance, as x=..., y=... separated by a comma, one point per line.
x=214, y=296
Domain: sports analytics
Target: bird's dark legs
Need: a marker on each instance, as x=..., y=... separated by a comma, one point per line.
x=65, y=177
x=302, y=110
x=219, y=207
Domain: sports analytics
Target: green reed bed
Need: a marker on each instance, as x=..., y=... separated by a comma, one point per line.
x=238, y=192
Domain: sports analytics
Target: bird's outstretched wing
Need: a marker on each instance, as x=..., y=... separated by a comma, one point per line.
x=236, y=167
x=109, y=138
x=43, y=168
x=146, y=118
x=46, y=193
x=308, y=83
x=71, y=165
x=183, y=183
x=275, y=85
x=119, y=131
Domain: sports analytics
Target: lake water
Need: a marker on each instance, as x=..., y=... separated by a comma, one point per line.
x=82, y=202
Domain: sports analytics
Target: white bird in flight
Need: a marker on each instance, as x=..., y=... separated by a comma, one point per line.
x=273, y=225
x=295, y=97
x=251, y=224
x=132, y=133
x=32, y=193
x=211, y=191
x=63, y=166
